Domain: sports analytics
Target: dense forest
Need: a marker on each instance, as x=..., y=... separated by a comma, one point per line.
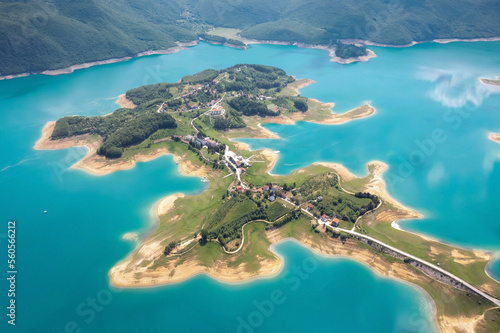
x=250, y=107
x=53, y=34
x=159, y=91
x=292, y=103
x=121, y=129
x=349, y=50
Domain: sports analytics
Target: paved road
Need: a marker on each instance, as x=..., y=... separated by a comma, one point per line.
x=437, y=268
x=236, y=169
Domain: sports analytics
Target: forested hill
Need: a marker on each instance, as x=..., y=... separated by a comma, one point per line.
x=37, y=35
x=54, y=34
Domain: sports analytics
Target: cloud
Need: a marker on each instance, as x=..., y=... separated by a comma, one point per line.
x=436, y=175
x=456, y=88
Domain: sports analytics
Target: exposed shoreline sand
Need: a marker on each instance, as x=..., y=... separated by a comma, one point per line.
x=181, y=46
x=124, y=102
x=98, y=165
x=377, y=186
x=494, y=137
x=440, y=41
x=124, y=273
x=333, y=119
x=491, y=82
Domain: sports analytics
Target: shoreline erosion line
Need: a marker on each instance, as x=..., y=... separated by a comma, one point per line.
x=183, y=45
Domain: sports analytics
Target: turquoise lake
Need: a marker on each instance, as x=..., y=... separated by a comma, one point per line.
x=64, y=256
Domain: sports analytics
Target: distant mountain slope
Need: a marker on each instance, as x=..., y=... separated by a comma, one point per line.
x=383, y=21
x=36, y=35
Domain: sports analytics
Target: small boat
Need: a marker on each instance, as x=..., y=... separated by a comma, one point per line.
x=45, y=212
x=276, y=151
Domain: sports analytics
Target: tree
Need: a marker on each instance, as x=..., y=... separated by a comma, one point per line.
x=204, y=234
x=300, y=105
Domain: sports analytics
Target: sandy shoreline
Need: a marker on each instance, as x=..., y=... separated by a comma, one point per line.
x=341, y=118
x=124, y=273
x=491, y=82
x=395, y=225
x=334, y=119
x=182, y=46
x=330, y=49
x=441, y=41
x=345, y=61
x=267, y=133
x=363, y=111
x=97, y=165
x=343, y=172
x=494, y=137
x=377, y=186
x=152, y=248
x=124, y=102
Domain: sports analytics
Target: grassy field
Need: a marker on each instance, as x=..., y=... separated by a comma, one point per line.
x=226, y=33
x=237, y=211
x=276, y=210
x=191, y=212
x=255, y=249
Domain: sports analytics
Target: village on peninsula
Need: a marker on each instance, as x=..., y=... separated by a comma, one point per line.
x=228, y=230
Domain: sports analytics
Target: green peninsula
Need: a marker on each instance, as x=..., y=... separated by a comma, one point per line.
x=228, y=230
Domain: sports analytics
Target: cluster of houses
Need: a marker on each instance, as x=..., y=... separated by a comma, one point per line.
x=195, y=106
x=274, y=192
x=332, y=220
x=200, y=143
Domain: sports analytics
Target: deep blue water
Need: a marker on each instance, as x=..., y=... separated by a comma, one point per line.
x=64, y=255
